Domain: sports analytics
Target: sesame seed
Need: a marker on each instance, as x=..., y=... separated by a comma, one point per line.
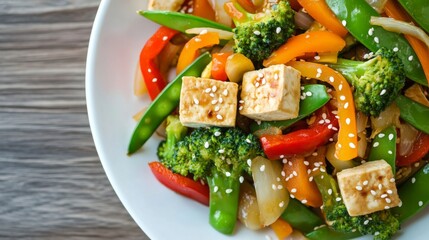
x=383, y=196
x=342, y=97
x=395, y=49
x=282, y=156
x=322, y=121
x=400, y=204
x=330, y=191
x=382, y=92
x=365, y=182
x=284, y=160
x=376, y=233
x=304, y=201
x=220, y=100
x=413, y=180
x=373, y=192
x=154, y=79
x=273, y=186
x=292, y=196
x=240, y=108
x=322, y=170
x=389, y=192
x=217, y=134
x=388, y=200
x=262, y=168
x=290, y=163
x=380, y=186
x=376, y=40
x=281, y=204
x=228, y=191
x=215, y=189
x=248, y=140
x=278, y=30
x=257, y=84
x=241, y=101
x=214, y=101
x=348, y=121
x=149, y=70
x=331, y=79
x=340, y=87
x=241, y=179
x=390, y=152
x=196, y=101
x=381, y=135
x=366, y=222
x=214, y=88
x=279, y=186
x=219, y=117
x=295, y=173
x=376, y=144
x=256, y=32
x=221, y=150
x=344, y=23
x=315, y=154
x=206, y=144
x=352, y=145
x=351, y=135
x=371, y=31
x=228, y=174
x=249, y=162
x=165, y=38
x=338, y=199
x=392, y=180
x=278, y=179
x=316, y=57
x=310, y=179
x=217, y=108
x=306, y=163
x=410, y=58
x=309, y=94
x=318, y=75
x=293, y=190
x=197, y=39
x=225, y=92
x=391, y=136
x=420, y=203
x=359, y=188
x=283, y=173
x=212, y=95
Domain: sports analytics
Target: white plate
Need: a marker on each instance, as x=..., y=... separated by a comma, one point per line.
x=116, y=39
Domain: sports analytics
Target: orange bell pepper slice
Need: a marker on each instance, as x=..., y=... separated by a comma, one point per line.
x=190, y=50
x=202, y=8
x=316, y=41
x=320, y=11
x=281, y=228
x=346, y=146
x=395, y=10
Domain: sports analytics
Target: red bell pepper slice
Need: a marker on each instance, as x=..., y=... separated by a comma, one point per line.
x=150, y=69
x=180, y=184
x=218, y=65
x=304, y=140
x=418, y=151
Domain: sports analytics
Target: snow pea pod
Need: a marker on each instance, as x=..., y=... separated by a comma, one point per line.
x=414, y=113
x=316, y=97
x=355, y=16
x=384, y=147
x=181, y=21
x=164, y=104
x=418, y=10
x=300, y=217
x=327, y=233
x=414, y=195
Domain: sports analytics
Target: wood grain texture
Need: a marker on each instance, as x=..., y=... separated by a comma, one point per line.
x=52, y=185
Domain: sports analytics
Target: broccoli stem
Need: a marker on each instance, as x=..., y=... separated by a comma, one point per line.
x=175, y=132
x=348, y=67
x=224, y=194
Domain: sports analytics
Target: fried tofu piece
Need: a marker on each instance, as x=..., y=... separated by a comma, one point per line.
x=271, y=93
x=368, y=188
x=208, y=102
x=167, y=5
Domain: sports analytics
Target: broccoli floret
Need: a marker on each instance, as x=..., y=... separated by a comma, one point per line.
x=257, y=35
x=220, y=157
x=382, y=224
x=175, y=132
x=377, y=81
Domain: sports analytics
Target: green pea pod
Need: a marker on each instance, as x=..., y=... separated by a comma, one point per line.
x=319, y=97
x=414, y=195
x=414, y=113
x=419, y=11
x=326, y=233
x=224, y=195
x=164, y=104
x=384, y=147
x=356, y=14
x=300, y=217
x=181, y=21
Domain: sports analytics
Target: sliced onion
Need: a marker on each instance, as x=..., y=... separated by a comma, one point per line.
x=222, y=33
x=361, y=122
x=221, y=15
x=272, y=196
x=397, y=26
x=378, y=5
x=236, y=66
x=303, y=20
x=168, y=58
x=139, y=85
x=390, y=116
x=338, y=164
x=408, y=135
x=415, y=92
x=248, y=209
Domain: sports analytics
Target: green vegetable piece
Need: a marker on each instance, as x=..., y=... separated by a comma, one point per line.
x=419, y=11
x=224, y=193
x=376, y=82
x=414, y=113
x=414, y=195
x=181, y=21
x=356, y=14
x=326, y=233
x=384, y=147
x=319, y=97
x=300, y=217
x=164, y=104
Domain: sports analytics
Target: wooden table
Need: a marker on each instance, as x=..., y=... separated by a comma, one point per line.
x=52, y=185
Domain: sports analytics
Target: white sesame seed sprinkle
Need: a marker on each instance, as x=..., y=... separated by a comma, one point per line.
x=413, y=180
x=154, y=79
x=383, y=92
x=376, y=144
x=208, y=90
x=221, y=150
x=331, y=79
x=281, y=204
x=391, y=136
x=338, y=199
x=278, y=30
x=196, y=101
x=217, y=134
x=256, y=32
x=330, y=191
x=342, y=97
x=359, y=188
x=390, y=192
x=228, y=174
x=164, y=38
x=218, y=116
x=376, y=40
x=383, y=196
x=352, y=145
x=306, y=163
x=344, y=23
x=249, y=162
x=392, y=180
x=388, y=200
x=293, y=190
x=215, y=189
x=351, y=135
x=376, y=233
x=262, y=168
x=380, y=186
x=366, y=222
x=317, y=57
x=225, y=92
x=348, y=121
x=371, y=31
x=292, y=196
x=309, y=94
x=373, y=192
x=228, y=191
x=217, y=108
x=304, y=201
x=206, y=144
x=390, y=152
x=410, y=58
x=241, y=179
x=420, y=203
x=365, y=182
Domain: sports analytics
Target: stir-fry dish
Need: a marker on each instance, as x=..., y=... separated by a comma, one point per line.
x=309, y=117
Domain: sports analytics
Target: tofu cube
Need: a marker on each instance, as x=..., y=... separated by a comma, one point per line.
x=271, y=93
x=208, y=102
x=368, y=188
x=167, y=5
